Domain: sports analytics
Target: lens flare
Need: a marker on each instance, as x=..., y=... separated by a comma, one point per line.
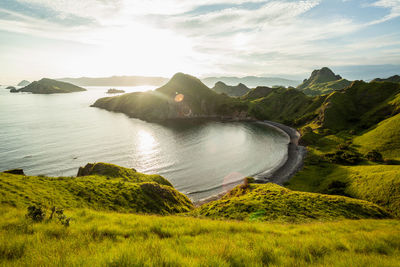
x=179, y=98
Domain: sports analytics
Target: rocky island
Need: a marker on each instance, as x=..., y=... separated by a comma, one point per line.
x=49, y=86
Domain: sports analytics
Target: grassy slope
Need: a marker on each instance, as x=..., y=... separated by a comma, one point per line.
x=285, y=105
x=268, y=202
x=49, y=86
x=385, y=138
x=376, y=183
x=112, y=239
x=360, y=106
x=138, y=193
x=326, y=88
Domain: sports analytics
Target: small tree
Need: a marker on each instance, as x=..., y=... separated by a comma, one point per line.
x=374, y=156
x=36, y=213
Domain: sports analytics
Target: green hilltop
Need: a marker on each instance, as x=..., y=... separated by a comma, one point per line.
x=184, y=96
x=322, y=82
x=49, y=86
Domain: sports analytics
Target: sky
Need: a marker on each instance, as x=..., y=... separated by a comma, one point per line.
x=100, y=38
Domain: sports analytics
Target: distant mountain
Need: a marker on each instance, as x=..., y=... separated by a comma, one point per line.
x=116, y=81
x=184, y=96
x=250, y=81
x=237, y=90
x=393, y=79
x=49, y=86
x=24, y=83
x=323, y=81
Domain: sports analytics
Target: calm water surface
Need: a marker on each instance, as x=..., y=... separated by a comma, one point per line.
x=55, y=134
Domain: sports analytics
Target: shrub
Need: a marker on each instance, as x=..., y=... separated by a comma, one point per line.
x=336, y=188
x=374, y=156
x=36, y=213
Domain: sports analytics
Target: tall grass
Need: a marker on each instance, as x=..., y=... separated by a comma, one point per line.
x=114, y=239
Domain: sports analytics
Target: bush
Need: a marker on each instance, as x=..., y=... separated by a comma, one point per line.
x=374, y=156
x=336, y=188
x=36, y=213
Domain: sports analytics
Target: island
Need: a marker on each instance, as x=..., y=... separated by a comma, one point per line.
x=10, y=88
x=49, y=86
x=115, y=91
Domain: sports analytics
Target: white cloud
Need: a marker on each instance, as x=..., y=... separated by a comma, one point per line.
x=392, y=5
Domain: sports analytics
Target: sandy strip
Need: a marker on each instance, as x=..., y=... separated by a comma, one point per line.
x=283, y=172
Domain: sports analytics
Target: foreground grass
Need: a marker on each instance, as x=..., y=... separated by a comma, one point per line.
x=113, y=239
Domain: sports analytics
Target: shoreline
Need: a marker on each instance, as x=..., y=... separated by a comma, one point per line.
x=282, y=173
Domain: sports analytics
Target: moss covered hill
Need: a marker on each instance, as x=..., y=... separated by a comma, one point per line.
x=49, y=86
x=360, y=106
x=392, y=79
x=237, y=90
x=384, y=137
x=98, y=186
x=184, y=96
x=269, y=202
x=288, y=106
x=322, y=82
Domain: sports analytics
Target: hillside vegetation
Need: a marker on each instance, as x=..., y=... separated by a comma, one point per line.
x=288, y=106
x=359, y=107
x=323, y=81
x=49, y=86
x=269, y=202
x=184, y=96
x=114, y=239
x=385, y=138
x=106, y=187
x=393, y=79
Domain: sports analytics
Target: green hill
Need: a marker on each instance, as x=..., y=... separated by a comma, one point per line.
x=326, y=88
x=184, y=96
x=237, y=90
x=49, y=86
x=385, y=138
x=359, y=106
x=104, y=187
x=288, y=106
x=269, y=202
x=322, y=82
x=379, y=184
x=258, y=92
x=392, y=79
